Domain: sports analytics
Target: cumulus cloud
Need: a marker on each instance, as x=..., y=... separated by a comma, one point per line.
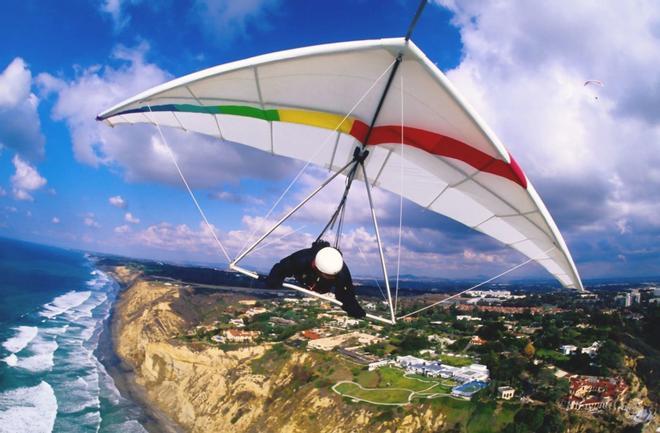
x=116, y=10
x=231, y=197
x=139, y=151
x=129, y=218
x=20, y=128
x=224, y=20
x=118, y=201
x=90, y=221
x=523, y=68
x=122, y=229
x=180, y=237
x=25, y=180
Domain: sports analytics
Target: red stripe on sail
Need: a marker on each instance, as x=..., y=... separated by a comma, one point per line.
x=438, y=144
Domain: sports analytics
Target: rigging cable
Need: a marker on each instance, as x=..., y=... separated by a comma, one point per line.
x=192, y=196
x=475, y=286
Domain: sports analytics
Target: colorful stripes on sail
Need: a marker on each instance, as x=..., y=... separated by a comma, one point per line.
x=434, y=143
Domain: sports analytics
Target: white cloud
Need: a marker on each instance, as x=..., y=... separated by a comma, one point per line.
x=224, y=20
x=523, y=68
x=20, y=127
x=118, y=11
x=129, y=218
x=236, y=198
x=25, y=180
x=176, y=237
x=138, y=150
x=122, y=229
x=55, y=220
x=117, y=201
x=90, y=221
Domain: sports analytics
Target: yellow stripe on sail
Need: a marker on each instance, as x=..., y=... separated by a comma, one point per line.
x=316, y=118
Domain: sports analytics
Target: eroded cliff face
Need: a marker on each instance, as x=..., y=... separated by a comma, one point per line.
x=205, y=389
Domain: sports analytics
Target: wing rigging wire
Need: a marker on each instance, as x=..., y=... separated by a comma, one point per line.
x=364, y=259
x=520, y=265
x=192, y=195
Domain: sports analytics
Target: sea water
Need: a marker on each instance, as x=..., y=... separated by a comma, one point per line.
x=54, y=306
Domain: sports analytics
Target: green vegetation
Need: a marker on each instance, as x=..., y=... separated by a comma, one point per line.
x=456, y=361
x=551, y=355
x=274, y=358
x=391, y=396
x=390, y=385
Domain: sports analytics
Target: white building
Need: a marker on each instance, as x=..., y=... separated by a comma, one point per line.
x=505, y=392
x=291, y=300
x=237, y=322
x=568, y=349
x=254, y=311
x=346, y=321
x=240, y=336
x=248, y=302
x=468, y=317
x=405, y=361
x=378, y=364
x=592, y=350
x=471, y=373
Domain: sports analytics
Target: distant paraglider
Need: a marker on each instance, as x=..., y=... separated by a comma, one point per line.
x=597, y=83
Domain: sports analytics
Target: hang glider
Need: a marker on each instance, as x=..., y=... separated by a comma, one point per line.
x=318, y=104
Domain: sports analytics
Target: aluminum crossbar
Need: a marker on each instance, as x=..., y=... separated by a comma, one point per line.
x=254, y=275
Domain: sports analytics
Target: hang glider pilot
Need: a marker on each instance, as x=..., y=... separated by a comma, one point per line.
x=319, y=268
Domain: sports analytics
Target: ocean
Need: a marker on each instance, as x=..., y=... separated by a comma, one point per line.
x=54, y=308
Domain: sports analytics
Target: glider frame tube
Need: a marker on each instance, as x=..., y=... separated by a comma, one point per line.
x=254, y=275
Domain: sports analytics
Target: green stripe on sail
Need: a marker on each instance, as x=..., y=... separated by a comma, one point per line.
x=257, y=113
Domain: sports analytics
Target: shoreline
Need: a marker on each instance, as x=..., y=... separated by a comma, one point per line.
x=152, y=419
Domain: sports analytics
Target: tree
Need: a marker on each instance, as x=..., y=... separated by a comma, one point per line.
x=552, y=422
x=529, y=350
x=491, y=331
x=532, y=417
x=413, y=342
x=610, y=355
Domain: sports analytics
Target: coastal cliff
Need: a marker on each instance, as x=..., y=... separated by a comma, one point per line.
x=257, y=388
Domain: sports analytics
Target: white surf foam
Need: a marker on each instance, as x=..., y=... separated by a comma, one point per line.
x=11, y=360
x=84, y=310
x=24, y=334
x=42, y=356
x=64, y=303
x=131, y=426
x=28, y=410
x=82, y=393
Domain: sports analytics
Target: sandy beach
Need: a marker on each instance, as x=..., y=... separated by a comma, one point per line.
x=152, y=419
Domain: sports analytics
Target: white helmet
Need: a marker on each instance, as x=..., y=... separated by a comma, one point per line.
x=329, y=261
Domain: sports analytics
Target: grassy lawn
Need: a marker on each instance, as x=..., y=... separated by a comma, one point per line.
x=551, y=354
x=393, y=378
x=440, y=388
x=476, y=417
x=456, y=411
x=391, y=385
x=455, y=361
x=376, y=395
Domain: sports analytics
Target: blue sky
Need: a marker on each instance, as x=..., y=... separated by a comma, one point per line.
x=592, y=153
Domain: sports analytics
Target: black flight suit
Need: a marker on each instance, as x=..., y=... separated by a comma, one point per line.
x=299, y=266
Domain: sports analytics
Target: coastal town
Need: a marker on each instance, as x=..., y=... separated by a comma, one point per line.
x=452, y=348
x=560, y=360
